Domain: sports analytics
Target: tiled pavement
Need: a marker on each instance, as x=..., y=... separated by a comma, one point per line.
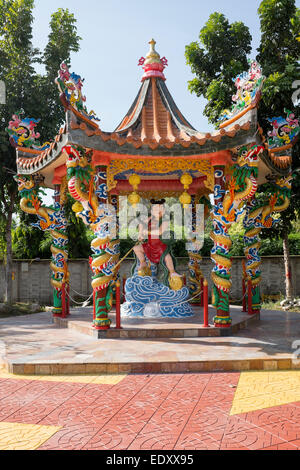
x=248, y=410
x=32, y=344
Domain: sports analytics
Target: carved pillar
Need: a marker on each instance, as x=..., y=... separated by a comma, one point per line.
x=100, y=258
x=195, y=274
x=259, y=216
x=105, y=254
x=251, y=248
x=221, y=273
x=59, y=249
x=88, y=186
x=53, y=220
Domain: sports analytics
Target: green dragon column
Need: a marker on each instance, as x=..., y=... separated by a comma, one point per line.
x=87, y=186
x=252, y=245
x=259, y=216
x=220, y=253
x=229, y=207
x=59, y=250
x=106, y=249
x=49, y=219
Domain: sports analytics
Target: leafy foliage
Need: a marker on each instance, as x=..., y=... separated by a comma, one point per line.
x=26, y=89
x=216, y=59
x=279, y=55
x=221, y=54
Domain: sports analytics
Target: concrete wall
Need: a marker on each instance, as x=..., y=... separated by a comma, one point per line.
x=32, y=279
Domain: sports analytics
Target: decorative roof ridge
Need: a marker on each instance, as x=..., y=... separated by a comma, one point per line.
x=183, y=139
x=82, y=116
x=242, y=113
x=35, y=159
x=70, y=87
x=249, y=85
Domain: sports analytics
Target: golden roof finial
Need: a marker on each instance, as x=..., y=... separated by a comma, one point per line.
x=152, y=56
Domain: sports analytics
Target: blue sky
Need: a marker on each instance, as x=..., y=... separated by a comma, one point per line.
x=115, y=35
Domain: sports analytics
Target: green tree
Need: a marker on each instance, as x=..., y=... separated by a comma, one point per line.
x=218, y=57
x=28, y=242
x=279, y=54
x=221, y=54
x=27, y=89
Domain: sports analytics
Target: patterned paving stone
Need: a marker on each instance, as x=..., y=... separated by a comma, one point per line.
x=167, y=423
x=83, y=378
x=70, y=437
x=243, y=435
x=19, y=436
x=155, y=411
x=260, y=390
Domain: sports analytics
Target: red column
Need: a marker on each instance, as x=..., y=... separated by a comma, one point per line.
x=94, y=305
x=68, y=300
x=124, y=282
x=202, y=293
x=118, y=305
x=244, y=295
x=63, y=300
x=250, y=311
x=205, y=302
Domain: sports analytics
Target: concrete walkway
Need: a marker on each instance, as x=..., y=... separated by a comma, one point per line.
x=33, y=344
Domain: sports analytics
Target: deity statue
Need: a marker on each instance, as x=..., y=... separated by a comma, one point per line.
x=155, y=245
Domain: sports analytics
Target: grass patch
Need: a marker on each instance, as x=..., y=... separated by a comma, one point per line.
x=18, y=309
x=271, y=305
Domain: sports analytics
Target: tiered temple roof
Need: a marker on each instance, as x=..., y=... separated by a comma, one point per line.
x=154, y=127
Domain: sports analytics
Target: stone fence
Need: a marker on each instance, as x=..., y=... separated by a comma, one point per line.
x=31, y=279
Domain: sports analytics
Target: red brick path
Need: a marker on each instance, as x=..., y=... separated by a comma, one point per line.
x=173, y=411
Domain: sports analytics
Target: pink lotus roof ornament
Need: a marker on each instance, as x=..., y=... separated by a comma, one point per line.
x=153, y=65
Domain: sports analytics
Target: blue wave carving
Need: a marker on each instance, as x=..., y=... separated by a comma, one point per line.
x=141, y=291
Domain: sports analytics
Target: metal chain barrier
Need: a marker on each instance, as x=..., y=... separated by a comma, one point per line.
x=79, y=303
x=81, y=295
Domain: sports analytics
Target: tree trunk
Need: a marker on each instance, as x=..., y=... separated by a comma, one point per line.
x=287, y=267
x=8, y=296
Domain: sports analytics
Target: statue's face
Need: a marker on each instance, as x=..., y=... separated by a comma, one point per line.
x=158, y=210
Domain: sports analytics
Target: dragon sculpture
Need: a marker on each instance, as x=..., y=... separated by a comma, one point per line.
x=241, y=187
x=70, y=86
x=21, y=131
x=258, y=216
x=91, y=206
x=49, y=219
x=284, y=130
x=248, y=85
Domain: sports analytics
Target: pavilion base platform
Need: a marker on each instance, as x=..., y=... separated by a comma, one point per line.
x=189, y=327
x=32, y=345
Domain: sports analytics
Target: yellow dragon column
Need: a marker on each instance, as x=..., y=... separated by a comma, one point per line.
x=51, y=219
x=228, y=208
x=87, y=185
x=259, y=216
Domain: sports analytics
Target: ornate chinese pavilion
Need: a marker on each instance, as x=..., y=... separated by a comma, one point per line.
x=155, y=152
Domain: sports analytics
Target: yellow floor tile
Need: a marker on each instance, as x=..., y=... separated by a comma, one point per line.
x=259, y=390
x=19, y=436
x=104, y=379
x=109, y=379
